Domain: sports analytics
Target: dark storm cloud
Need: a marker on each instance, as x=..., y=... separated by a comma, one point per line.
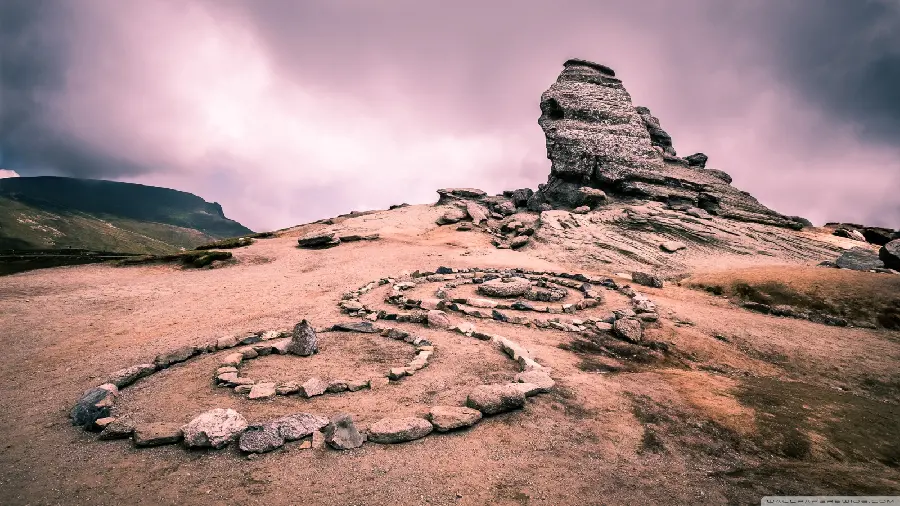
x=390, y=100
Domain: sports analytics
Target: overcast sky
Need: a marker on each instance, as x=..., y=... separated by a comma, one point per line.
x=289, y=111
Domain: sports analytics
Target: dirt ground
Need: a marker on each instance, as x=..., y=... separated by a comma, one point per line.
x=731, y=406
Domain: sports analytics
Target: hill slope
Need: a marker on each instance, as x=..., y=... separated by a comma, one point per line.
x=58, y=212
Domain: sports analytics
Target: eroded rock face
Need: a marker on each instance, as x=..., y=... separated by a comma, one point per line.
x=597, y=139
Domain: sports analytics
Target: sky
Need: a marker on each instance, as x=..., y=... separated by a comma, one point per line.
x=290, y=111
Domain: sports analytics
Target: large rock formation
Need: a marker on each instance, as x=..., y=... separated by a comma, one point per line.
x=598, y=140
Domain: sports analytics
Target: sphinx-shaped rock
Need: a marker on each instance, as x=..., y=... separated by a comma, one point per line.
x=598, y=140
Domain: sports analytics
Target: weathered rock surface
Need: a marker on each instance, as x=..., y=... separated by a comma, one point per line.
x=628, y=329
x=213, y=429
x=157, y=434
x=300, y=425
x=889, y=254
x=447, y=418
x=261, y=438
x=494, y=399
x=118, y=429
x=364, y=327
x=303, y=340
x=313, y=387
x=538, y=378
x=264, y=390
x=452, y=215
x=399, y=430
x=513, y=287
x=124, y=377
x=180, y=355
x=341, y=433
x=859, y=259
x=642, y=278
x=597, y=139
x=438, y=319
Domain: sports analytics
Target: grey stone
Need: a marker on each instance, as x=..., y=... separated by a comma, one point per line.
x=157, y=434
x=213, y=429
x=118, y=429
x=303, y=341
x=494, y=399
x=300, y=425
x=318, y=240
x=124, y=377
x=455, y=194
x=261, y=438
x=628, y=329
x=243, y=389
x=364, y=327
x=94, y=404
x=513, y=287
x=313, y=387
x=447, y=418
x=180, y=355
x=226, y=342
x=889, y=254
x=399, y=430
x=336, y=386
x=697, y=160
x=859, y=259
x=341, y=433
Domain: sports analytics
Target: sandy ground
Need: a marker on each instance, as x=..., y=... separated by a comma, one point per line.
x=715, y=421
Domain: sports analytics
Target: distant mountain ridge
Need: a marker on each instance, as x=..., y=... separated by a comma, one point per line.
x=59, y=212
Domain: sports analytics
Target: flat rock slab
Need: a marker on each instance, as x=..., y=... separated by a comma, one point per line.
x=859, y=259
x=494, y=399
x=447, y=418
x=157, y=434
x=890, y=254
x=513, y=287
x=317, y=240
x=300, y=425
x=118, y=429
x=214, y=428
x=539, y=378
x=313, y=387
x=364, y=327
x=341, y=433
x=262, y=391
x=399, y=430
x=180, y=355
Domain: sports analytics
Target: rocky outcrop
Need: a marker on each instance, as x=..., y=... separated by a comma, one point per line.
x=597, y=140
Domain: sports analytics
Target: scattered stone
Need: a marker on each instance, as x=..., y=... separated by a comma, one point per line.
x=262, y=391
x=672, y=246
x=118, y=429
x=93, y=405
x=645, y=279
x=214, y=429
x=157, y=434
x=261, y=438
x=628, y=329
x=438, y=319
x=336, y=386
x=341, y=433
x=494, y=399
x=447, y=418
x=538, y=378
x=313, y=387
x=859, y=259
x=364, y=327
x=124, y=377
x=303, y=341
x=319, y=240
x=300, y=425
x=357, y=385
x=399, y=430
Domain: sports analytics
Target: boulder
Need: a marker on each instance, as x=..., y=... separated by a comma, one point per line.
x=447, y=418
x=261, y=438
x=265, y=390
x=341, y=433
x=94, y=404
x=697, y=160
x=319, y=240
x=511, y=287
x=124, y=377
x=214, y=428
x=313, y=387
x=364, y=327
x=438, y=319
x=877, y=236
x=860, y=259
x=156, y=434
x=303, y=341
x=645, y=279
x=399, y=430
x=452, y=215
x=494, y=399
x=889, y=254
x=520, y=197
x=628, y=329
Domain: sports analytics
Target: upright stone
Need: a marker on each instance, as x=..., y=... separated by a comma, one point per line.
x=303, y=340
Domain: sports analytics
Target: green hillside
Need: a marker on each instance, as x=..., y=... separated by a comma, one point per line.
x=61, y=213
